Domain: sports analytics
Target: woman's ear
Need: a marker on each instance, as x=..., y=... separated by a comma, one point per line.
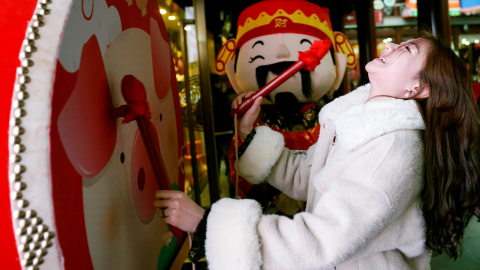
x=424, y=93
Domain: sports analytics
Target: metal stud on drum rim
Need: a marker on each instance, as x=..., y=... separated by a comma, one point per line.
x=26, y=230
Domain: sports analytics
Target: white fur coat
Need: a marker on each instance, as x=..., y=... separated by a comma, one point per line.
x=361, y=181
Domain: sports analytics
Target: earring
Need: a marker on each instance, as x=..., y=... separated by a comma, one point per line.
x=408, y=93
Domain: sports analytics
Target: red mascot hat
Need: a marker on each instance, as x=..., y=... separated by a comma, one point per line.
x=283, y=16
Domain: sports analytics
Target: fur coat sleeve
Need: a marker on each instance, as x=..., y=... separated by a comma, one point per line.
x=259, y=163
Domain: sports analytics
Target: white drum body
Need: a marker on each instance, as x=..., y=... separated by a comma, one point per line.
x=82, y=185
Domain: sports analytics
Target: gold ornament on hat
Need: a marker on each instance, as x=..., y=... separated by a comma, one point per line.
x=142, y=5
x=226, y=53
x=343, y=45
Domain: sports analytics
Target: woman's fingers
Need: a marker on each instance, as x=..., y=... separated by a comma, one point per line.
x=166, y=194
x=160, y=203
x=162, y=212
x=246, y=122
x=255, y=109
x=162, y=194
x=238, y=100
x=166, y=198
x=165, y=202
x=249, y=94
x=177, y=209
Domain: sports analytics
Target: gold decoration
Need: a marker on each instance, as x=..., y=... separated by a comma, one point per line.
x=142, y=5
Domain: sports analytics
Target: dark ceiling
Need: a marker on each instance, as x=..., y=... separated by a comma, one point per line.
x=218, y=12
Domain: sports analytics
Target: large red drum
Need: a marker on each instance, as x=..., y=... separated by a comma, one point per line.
x=81, y=180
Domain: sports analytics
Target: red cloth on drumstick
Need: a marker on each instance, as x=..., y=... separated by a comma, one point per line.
x=134, y=94
x=138, y=109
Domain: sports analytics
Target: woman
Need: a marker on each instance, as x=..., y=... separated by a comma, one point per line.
x=393, y=177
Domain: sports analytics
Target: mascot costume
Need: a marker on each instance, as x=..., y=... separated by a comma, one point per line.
x=270, y=35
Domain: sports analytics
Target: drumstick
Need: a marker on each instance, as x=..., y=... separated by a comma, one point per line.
x=154, y=155
x=137, y=109
x=308, y=60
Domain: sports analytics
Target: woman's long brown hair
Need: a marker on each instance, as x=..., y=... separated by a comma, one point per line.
x=451, y=192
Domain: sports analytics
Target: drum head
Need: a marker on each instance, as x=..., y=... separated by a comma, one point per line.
x=81, y=174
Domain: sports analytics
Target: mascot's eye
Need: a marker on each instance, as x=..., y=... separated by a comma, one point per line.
x=305, y=40
x=255, y=58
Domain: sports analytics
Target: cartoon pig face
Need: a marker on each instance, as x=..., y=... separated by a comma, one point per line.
x=111, y=157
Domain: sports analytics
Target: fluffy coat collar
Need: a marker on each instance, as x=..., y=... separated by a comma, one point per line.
x=358, y=121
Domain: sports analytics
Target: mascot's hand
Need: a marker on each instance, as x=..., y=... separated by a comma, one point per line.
x=245, y=123
x=177, y=209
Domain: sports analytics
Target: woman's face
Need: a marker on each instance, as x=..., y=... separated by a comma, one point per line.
x=396, y=71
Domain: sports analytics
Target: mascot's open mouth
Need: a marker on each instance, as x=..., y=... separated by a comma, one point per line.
x=287, y=102
x=277, y=68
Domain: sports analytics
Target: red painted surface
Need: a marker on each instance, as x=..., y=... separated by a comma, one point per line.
x=14, y=18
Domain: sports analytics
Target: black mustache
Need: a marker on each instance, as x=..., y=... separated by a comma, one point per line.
x=277, y=68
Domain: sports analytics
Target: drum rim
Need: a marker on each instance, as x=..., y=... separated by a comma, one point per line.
x=34, y=230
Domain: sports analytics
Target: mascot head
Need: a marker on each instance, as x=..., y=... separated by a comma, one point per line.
x=270, y=34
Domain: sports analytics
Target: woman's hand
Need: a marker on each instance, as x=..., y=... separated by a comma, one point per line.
x=177, y=209
x=245, y=123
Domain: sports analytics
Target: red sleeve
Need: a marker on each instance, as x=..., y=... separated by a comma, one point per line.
x=476, y=90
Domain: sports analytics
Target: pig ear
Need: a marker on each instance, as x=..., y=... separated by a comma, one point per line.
x=87, y=133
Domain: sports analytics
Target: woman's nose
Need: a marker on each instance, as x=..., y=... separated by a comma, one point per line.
x=391, y=46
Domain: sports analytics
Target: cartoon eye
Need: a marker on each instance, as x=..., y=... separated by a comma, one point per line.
x=305, y=40
x=255, y=58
